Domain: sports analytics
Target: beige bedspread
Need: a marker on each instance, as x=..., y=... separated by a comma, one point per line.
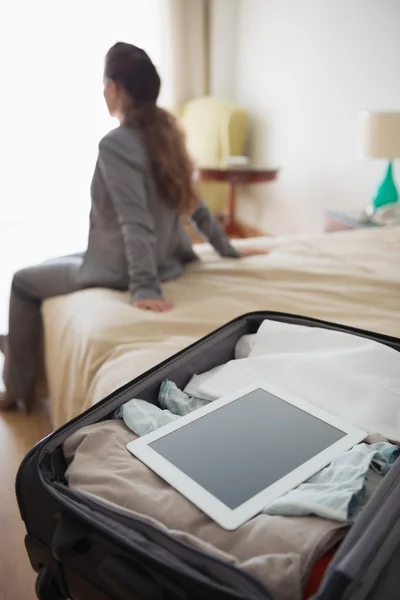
x=95, y=341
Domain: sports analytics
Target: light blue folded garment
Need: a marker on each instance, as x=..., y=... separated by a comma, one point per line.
x=338, y=492
x=179, y=403
x=142, y=417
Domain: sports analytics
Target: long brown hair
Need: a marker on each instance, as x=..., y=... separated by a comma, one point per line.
x=131, y=68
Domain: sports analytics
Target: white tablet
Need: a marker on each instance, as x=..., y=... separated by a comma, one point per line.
x=234, y=456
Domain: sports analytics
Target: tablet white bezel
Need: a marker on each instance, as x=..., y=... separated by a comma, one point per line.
x=223, y=515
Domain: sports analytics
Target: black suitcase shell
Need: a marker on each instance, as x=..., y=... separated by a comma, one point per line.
x=83, y=550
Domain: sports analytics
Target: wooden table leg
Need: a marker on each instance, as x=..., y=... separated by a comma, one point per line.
x=230, y=226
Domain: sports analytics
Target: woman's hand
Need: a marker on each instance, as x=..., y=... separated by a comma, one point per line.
x=244, y=252
x=154, y=304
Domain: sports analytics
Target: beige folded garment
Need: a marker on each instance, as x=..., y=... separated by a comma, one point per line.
x=279, y=551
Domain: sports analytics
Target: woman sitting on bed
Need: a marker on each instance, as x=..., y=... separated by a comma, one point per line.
x=141, y=186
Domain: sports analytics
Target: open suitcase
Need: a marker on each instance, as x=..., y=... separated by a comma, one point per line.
x=83, y=550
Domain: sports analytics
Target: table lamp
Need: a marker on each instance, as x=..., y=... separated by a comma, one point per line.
x=380, y=138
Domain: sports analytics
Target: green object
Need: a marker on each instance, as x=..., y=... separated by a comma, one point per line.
x=387, y=192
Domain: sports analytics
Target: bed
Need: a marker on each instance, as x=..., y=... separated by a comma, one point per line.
x=95, y=341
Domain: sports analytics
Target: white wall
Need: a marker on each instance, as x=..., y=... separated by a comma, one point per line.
x=304, y=69
x=223, y=47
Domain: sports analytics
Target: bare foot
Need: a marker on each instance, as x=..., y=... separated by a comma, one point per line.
x=6, y=401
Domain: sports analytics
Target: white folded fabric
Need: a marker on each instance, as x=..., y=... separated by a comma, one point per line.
x=245, y=345
x=350, y=376
x=197, y=381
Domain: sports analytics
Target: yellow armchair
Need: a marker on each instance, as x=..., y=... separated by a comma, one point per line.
x=215, y=129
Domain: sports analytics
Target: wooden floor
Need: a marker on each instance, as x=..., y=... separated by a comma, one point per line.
x=18, y=433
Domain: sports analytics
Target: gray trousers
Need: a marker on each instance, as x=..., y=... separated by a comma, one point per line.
x=29, y=288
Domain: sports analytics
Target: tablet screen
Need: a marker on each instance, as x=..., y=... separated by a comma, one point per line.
x=238, y=450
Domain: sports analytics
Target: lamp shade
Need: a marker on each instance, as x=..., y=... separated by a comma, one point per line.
x=380, y=134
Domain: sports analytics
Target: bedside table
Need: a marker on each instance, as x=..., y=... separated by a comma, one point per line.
x=341, y=220
x=235, y=176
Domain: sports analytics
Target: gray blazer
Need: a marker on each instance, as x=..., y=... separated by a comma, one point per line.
x=136, y=240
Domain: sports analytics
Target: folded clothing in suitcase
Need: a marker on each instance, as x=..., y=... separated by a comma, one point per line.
x=279, y=551
x=99, y=550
